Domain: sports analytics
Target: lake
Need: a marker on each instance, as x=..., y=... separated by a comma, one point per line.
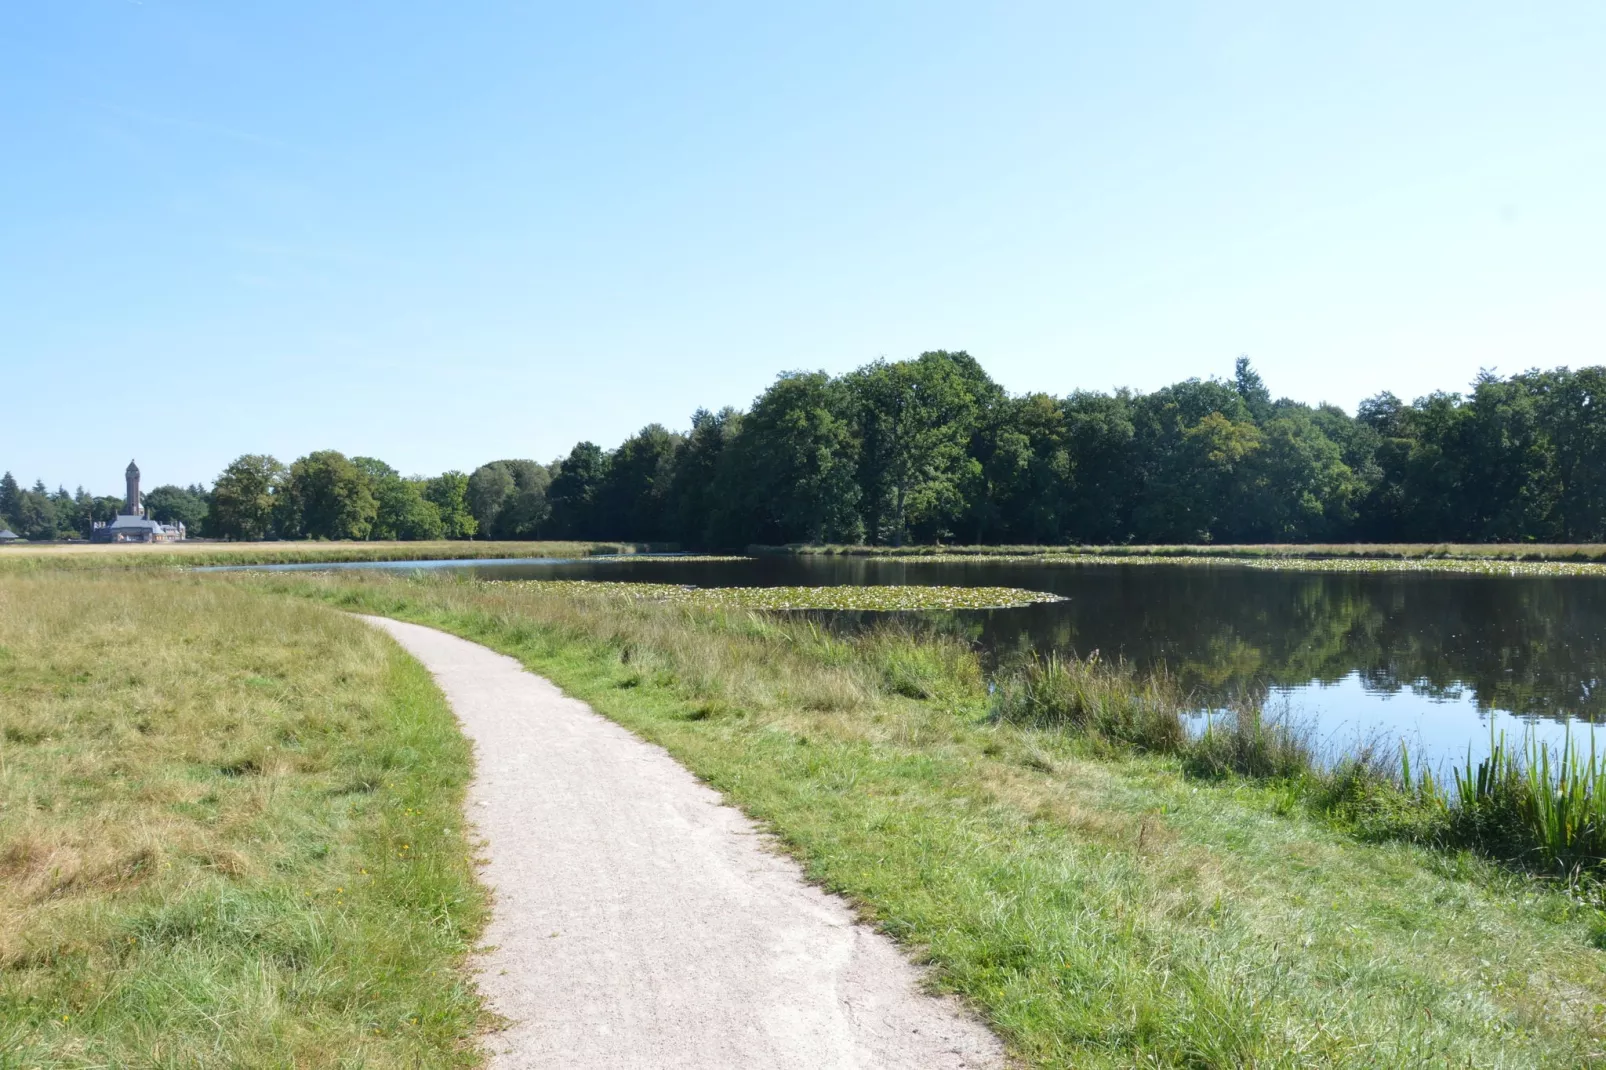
x=1435, y=658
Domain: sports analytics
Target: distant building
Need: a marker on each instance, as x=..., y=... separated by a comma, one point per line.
x=132, y=525
x=7, y=535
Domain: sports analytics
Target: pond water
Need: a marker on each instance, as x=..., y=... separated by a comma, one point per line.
x=1435, y=658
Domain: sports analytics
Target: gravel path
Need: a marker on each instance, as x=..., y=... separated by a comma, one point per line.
x=640, y=922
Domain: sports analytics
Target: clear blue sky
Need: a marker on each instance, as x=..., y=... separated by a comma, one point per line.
x=443, y=234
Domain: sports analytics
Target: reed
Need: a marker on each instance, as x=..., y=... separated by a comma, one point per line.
x=1532, y=803
x=1107, y=701
x=1528, y=805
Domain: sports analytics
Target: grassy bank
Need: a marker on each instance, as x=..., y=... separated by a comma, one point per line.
x=58, y=556
x=230, y=834
x=1526, y=805
x=1575, y=552
x=1100, y=906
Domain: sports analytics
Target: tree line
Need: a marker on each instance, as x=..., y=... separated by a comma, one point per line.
x=931, y=449
x=42, y=514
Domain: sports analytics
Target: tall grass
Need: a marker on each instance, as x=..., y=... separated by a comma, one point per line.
x=1086, y=695
x=1111, y=703
x=230, y=834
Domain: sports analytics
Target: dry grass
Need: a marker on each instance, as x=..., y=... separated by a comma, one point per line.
x=229, y=834
x=82, y=555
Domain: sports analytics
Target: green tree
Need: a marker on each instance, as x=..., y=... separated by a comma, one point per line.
x=1574, y=408
x=1018, y=488
x=242, y=499
x=36, y=515
x=1106, y=469
x=326, y=496
x=790, y=473
x=572, y=494
x=449, y=494
x=1252, y=389
x=697, y=506
x=1297, y=485
x=915, y=420
x=632, y=500
x=402, y=512
x=489, y=486
x=170, y=504
x=508, y=498
x=10, y=499
x=1191, y=439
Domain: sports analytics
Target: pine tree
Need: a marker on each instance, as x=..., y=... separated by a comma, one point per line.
x=10, y=498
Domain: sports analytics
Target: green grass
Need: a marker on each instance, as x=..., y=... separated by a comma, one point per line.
x=1100, y=907
x=230, y=834
x=1575, y=552
x=103, y=556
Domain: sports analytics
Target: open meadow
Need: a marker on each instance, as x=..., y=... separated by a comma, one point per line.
x=230, y=834
x=196, y=554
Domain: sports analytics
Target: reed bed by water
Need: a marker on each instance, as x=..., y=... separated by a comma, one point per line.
x=1528, y=804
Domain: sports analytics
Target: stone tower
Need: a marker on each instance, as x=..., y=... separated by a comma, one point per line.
x=132, y=507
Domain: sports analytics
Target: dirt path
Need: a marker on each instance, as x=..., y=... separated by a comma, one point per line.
x=639, y=922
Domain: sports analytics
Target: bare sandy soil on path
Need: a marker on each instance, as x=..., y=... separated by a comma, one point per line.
x=639, y=922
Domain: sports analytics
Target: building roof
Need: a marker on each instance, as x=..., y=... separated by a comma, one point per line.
x=134, y=523
x=7, y=534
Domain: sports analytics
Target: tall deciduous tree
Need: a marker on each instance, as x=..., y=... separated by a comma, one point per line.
x=242, y=499
x=915, y=419
x=573, y=492
x=171, y=504
x=326, y=496
x=790, y=474
x=449, y=493
x=632, y=500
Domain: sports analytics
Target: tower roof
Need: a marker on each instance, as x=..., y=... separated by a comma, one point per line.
x=133, y=469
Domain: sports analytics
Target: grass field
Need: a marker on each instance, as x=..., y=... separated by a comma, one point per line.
x=1099, y=908
x=1576, y=552
x=77, y=555
x=230, y=834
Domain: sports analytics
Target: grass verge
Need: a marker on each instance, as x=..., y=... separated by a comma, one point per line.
x=230, y=834
x=1101, y=907
x=103, y=556
x=1577, y=552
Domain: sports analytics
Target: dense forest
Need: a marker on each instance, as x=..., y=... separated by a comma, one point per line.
x=932, y=449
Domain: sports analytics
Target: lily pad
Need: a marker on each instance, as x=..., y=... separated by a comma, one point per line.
x=880, y=599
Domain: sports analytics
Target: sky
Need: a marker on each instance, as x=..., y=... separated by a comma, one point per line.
x=445, y=234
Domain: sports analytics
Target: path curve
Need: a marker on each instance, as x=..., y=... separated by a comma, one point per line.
x=638, y=922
